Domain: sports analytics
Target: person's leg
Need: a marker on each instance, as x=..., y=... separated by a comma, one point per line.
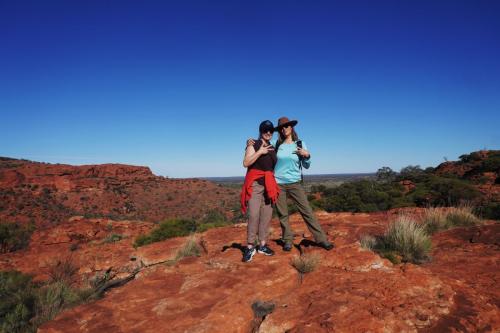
x=266, y=213
x=254, y=213
x=282, y=210
x=298, y=195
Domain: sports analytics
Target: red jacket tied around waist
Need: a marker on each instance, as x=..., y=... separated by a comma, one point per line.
x=252, y=175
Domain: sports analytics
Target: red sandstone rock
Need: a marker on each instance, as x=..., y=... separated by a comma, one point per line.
x=352, y=289
x=51, y=193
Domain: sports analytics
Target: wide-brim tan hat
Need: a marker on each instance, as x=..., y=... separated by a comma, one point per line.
x=284, y=121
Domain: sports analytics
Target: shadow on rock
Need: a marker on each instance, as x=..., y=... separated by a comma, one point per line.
x=234, y=246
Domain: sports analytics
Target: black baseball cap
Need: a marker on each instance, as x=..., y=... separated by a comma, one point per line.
x=265, y=126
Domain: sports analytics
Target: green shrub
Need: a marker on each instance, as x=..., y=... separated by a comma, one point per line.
x=52, y=299
x=167, y=229
x=408, y=238
x=491, y=211
x=14, y=236
x=213, y=219
x=17, y=301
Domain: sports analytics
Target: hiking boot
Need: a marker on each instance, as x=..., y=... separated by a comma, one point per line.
x=326, y=245
x=287, y=247
x=248, y=254
x=264, y=249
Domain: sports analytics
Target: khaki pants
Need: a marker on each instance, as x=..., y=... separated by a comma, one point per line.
x=260, y=212
x=297, y=193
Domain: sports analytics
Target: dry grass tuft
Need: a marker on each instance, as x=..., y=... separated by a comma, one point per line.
x=434, y=220
x=190, y=249
x=409, y=239
x=305, y=263
x=462, y=216
x=368, y=242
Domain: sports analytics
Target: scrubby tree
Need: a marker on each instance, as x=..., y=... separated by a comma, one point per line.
x=386, y=174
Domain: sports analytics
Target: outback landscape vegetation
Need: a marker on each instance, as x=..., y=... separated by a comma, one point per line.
x=77, y=241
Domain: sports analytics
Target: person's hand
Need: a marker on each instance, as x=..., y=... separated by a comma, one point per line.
x=250, y=142
x=302, y=152
x=265, y=148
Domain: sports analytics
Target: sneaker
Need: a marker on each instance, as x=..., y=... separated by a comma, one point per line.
x=287, y=247
x=326, y=245
x=248, y=254
x=264, y=249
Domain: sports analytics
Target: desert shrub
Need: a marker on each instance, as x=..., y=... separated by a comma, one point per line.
x=368, y=242
x=189, y=249
x=362, y=196
x=25, y=305
x=305, y=263
x=461, y=216
x=213, y=219
x=408, y=238
x=63, y=270
x=113, y=238
x=14, y=236
x=490, y=210
x=52, y=299
x=450, y=192
x=411, y=172
x=386, y=174
x=17, y=301
x=491, y=164
x=434, y=220
x=167, y=229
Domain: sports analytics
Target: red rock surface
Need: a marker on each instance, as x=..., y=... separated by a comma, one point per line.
x=51, y=193
x=352, y=289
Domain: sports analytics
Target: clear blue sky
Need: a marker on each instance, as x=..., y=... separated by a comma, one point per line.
x=180, y=85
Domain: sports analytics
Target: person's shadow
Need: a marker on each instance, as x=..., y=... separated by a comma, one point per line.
x=234, y=246
x=304, y=243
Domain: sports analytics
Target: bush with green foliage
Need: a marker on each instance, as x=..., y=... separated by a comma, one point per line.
x=25, y=305
x=167, y=229
x=490, y=210
x=17, y=301
x=369, y=196
x=14, y=236
x=363, y=196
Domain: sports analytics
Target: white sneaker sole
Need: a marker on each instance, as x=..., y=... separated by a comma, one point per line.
x=267, y=254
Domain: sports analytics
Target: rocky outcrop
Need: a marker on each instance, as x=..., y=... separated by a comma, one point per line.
x=351, y=290
x=46, y=194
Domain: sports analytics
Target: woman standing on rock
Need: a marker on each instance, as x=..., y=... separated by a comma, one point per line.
x=292, y=155
x=259, y=190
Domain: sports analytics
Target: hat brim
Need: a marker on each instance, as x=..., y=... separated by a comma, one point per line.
x=291, y=123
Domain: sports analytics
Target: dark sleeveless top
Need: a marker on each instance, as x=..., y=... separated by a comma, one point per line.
x=265, y=162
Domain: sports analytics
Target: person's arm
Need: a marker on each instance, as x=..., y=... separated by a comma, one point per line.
x=251, y=155
x=306, y=156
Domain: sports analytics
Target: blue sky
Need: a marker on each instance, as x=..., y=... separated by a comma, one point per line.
x=179, y=85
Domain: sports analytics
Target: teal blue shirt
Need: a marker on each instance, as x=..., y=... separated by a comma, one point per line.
x=287, y=169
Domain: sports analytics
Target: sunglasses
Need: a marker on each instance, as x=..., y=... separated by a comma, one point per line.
x=267, y=131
